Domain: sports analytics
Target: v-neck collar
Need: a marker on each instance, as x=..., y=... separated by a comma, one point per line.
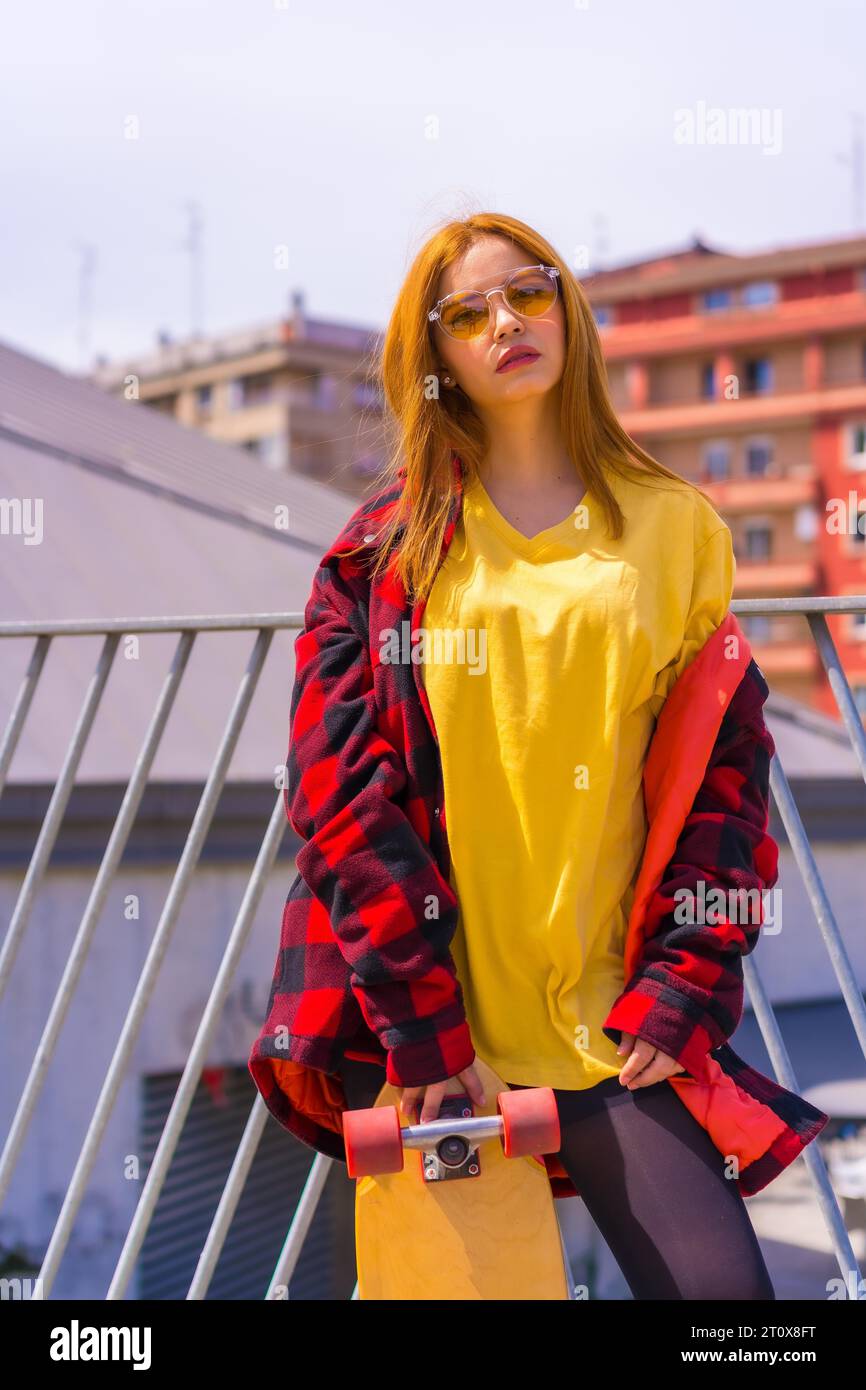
x=478, y=498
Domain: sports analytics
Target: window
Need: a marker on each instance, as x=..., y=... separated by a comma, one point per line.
x=708, y=381
x=249, y=390
x=760, y=292
x=367, y=396
x=759, y=456
x=759, y=375
x=857, y=627
x=758, y=541
x=325, y=391
x=859, y=693
x=805, y=523
x=859, y=536
x=757, y=626
x=234, y=394
x=257, y=390
x=857, y=444
x=603, y=315
x=717, y=460
x=712, y=300
x=204, y=399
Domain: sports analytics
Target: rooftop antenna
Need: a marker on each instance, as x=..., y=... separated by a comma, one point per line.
x=86, y=268
x=193, y=244
x=857, y=163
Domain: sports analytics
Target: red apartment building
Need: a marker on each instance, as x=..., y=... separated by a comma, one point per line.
x=746, y=374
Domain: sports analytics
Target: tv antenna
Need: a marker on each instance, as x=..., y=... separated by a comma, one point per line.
x=87, y=265
x=193, y=244
x=856, y=162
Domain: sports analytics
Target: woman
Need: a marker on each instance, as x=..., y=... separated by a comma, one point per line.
x=581, y=708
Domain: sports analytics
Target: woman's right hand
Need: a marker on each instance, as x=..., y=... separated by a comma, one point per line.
x=431, y=1095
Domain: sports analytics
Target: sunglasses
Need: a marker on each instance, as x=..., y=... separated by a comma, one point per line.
x=529, y=291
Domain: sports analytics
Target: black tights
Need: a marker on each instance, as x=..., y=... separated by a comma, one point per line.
x=653, y=1182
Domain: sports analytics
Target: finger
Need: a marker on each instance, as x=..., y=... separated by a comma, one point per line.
x=409, y=1099
x=432, y=1100
x=473, y=1085
x=630, y=1070
x=655, y=1071
x=642, y=1053
x=626, y=1044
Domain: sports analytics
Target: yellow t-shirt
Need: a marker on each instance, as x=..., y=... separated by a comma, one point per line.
x=555, y=656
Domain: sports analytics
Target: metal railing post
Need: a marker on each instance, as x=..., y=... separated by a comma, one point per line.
x=264, y=626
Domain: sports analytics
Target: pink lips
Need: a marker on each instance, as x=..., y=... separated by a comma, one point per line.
x=519, y=360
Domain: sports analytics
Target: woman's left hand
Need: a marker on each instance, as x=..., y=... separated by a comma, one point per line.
x=646, y=1064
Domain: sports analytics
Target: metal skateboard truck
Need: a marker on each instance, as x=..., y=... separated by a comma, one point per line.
x=526, y=1123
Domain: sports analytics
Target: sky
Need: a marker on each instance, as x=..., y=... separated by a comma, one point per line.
x=323, y=140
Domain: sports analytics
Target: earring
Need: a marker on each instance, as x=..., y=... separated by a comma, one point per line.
x=447, y=380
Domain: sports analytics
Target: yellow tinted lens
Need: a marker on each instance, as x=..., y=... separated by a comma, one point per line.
x=531, y=292
x=464, y=316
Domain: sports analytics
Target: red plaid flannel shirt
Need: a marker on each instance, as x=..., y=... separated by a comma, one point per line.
x=364, y=964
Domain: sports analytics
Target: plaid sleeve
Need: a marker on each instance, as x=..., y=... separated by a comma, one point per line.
x=686, y=997
x=389, y=907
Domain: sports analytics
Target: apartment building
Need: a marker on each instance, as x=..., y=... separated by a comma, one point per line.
x=299, y=394
x=747, y=375
x=744, y=373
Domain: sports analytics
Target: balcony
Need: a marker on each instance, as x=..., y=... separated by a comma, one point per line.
x=764, y=493
x=786, y=658
x=741, y=327
x=777, y=577
x=746, y=412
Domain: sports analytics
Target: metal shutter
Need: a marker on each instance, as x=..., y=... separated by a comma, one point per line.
x=192, y=1190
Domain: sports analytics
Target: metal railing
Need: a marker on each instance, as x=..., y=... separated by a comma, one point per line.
x=263, y=626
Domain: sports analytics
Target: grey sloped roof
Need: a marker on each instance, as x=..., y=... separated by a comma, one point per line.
x=41, y=406
x=144, y=518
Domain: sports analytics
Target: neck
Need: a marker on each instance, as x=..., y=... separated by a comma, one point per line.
x=526, y=449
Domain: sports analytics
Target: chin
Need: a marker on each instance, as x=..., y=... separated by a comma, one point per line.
x=525, y=389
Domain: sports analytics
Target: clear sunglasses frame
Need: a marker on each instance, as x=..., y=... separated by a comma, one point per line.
x=435, y=314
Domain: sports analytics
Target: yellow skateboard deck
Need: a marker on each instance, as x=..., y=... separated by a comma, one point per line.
x=493, y=1235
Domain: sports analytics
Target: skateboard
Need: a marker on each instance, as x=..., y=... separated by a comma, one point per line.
x=461, y=1206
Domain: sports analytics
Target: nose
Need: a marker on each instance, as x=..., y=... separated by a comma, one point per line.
x=502, y=315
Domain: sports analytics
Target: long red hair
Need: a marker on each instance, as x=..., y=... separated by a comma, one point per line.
x=425, y=425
